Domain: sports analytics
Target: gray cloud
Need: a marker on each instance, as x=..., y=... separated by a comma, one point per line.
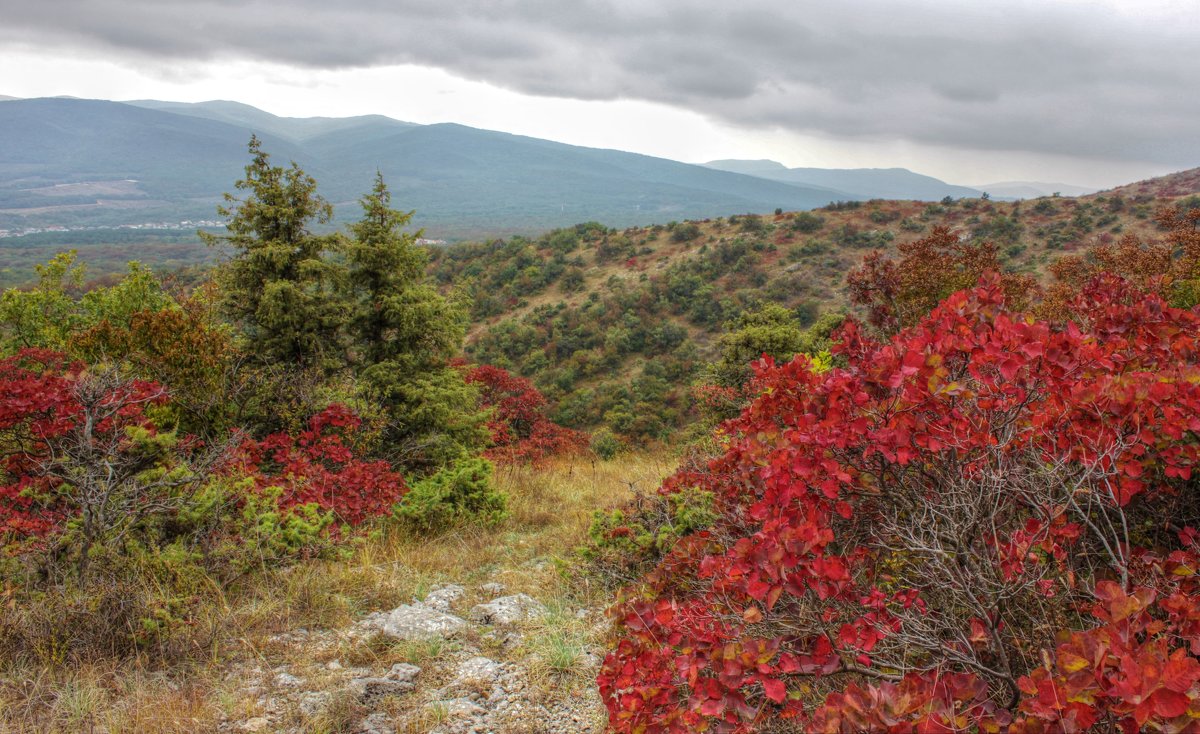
x=1072, y=78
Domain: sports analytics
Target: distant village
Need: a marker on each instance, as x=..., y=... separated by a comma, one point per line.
x=186, y=224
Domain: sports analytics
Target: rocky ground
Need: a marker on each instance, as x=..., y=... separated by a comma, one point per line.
x=459, y=660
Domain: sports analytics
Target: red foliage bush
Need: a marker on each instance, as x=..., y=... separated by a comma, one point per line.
x=520, y=430
x=41, y=406
x=318, y=466
x=981, y=524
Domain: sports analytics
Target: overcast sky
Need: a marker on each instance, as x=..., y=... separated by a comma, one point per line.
x=1077, y=91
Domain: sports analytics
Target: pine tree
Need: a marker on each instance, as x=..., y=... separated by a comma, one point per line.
x=403, y=334
x=280, y=287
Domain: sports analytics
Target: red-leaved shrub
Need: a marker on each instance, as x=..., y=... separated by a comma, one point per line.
x=318, y=466
x=983, y=524
x=520, y=430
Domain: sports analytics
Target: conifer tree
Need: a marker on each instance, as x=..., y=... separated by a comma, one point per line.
x=403, y=334
x=279, y=287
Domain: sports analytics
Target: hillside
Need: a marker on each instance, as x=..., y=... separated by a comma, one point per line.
x=614, y=325
x=77, y=163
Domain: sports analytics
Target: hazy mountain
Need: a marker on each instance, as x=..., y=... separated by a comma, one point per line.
x=78, y=162
x=860, y=183
x=5, y=98
x=1033, y=189
x=292, y=128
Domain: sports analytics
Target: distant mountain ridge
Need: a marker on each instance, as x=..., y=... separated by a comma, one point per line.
x=156, y=161
x=858, y=183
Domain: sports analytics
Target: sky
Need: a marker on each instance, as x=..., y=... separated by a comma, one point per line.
x=1088, y=92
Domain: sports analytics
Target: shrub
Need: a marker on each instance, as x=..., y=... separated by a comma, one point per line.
x=981, y=524
x=318, y=467
x=605, y=444
x=807, y=222
x=685, y=232
x=626, y=542
x=520, y=430
x=462, y=493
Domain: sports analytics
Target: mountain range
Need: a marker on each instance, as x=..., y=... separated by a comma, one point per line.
x=74, y=163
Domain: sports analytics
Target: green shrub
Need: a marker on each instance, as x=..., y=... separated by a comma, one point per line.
x=605, y=444
x=685, y=232
x=626, y=542
x=461, y=493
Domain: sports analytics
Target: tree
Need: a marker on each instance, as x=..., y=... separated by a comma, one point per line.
x=984, y=523
x=898, y=294
x=280, y=288
x=403, y=335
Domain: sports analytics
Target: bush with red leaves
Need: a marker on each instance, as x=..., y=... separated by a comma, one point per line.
x=982, y=524
x=318, y=467
x=521, y=432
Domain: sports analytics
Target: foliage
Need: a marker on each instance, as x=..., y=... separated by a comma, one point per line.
x=521, y=432
x=50, y=313
x=908, y=543
x=461, y=493
x=318, y=468
x=84, y=465
x=897, y=294
x=626, y=542
x=1170, y=267
x=279, y=287
x=403, y=334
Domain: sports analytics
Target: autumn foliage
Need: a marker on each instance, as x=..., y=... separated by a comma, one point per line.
x=984, y=523
x=520, y=430
x=318, y=467
x=44, y=407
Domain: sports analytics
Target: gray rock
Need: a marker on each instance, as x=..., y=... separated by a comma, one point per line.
x=258, y=723
x=313, y=702
x=413, y=622
x=400, y=679
x=443, y=596
x=287, y=680
x=376, y=723
x=508, y=610
x=478, y=671
x=492, y=589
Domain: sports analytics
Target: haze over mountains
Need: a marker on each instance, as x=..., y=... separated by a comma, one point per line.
x=75, y=162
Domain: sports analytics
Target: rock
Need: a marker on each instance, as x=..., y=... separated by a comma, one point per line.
x=459, y=708
x=403, y=672
x=258, y=723
x=492, y=589
x=508, y=610
x=287, y=680
x=400, y=679
x=413, y=622
x=443, y=596
x=376, y=723
x=313, y=702
x=477, y=672
x=333, y=665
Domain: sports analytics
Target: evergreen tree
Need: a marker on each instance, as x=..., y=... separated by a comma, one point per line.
x=403, y=334
x=279, y=287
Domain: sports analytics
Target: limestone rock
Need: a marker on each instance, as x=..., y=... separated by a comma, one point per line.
x=508, y=610
x=414, y=622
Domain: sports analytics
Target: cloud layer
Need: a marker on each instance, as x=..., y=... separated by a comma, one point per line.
x=1080, y=78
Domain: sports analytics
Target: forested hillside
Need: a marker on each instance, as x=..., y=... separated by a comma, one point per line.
x=617, y=326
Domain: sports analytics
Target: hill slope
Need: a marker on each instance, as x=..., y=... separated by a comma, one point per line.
x=614, y=325
x=461, y=180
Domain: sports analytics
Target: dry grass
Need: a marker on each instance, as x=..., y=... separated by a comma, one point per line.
x=550, y=510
